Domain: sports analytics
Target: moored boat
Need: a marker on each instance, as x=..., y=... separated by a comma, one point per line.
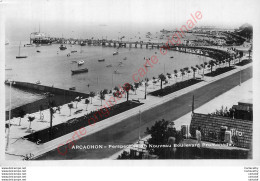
x=81, y=62
x=101, y=60
x=62, y=47
x=115, y=53
x=83, y=44
x=79, y=71
x=19, y=56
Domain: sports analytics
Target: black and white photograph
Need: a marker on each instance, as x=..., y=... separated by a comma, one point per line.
x=128, y=80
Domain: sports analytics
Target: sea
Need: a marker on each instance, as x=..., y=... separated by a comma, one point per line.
x=52, y=67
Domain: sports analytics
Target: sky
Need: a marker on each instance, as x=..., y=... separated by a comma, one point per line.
x=68, y=16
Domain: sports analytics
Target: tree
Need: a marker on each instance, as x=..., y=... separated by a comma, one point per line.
x=87, y=102
x=182, y=73
x=162, y=77
x=211, y=64
x=127, y=87
x=194, y=71
x=30, y=119
x=116, y=88
x=125, y=155
x=105, y=91
x=229, y=61
x=91, y=95
x=21, y=114
x=77, y=99
x=70, y=107
x=102, y=96
x=136, y=85
x=52, y=111
x=160, y=132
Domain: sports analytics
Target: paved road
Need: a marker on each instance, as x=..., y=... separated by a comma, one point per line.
x=126, y=132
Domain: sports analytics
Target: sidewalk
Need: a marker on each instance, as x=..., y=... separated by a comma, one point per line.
x=22, y=147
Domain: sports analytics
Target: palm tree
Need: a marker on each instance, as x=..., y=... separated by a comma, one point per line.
x=30, y=119
x=211, y=64
x=21, y=114
x=91, y=95
x=102, y=96
x=188, y=72
x=77, y=99
x=162, y=77
x=182, y=73
x=87, y=102
x=127, y=87
x=52, y=111
x=136, y=85
x=70, y=107
x=176, y=74
x=194, y=71
x=229, y=62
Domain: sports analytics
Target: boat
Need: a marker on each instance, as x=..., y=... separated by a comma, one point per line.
x=6, y=42
x=101, y=60
x=83, y=44
x=110, y=65
x=72, y=88
x=79, y=71
x=28, y=45
x=38, y=51
x=81, y=62
x=19, y=56
x=125, y=58
x=171, y=57
x=40, y=38
x=74, y=61
x=73, y=51
x=115, y=53
x=62, y=47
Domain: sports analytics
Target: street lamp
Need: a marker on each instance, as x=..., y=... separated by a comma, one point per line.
x=10, y=107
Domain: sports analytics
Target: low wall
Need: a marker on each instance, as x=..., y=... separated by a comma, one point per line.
x=43, y=88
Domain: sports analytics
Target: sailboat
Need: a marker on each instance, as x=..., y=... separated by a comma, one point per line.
x=19, y=56
x=102, y=59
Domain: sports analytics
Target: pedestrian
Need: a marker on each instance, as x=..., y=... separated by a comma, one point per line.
x=198, y=136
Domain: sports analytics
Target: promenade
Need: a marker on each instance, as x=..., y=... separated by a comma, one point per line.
x=117, y=129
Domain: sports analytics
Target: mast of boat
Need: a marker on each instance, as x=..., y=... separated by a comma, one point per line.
x=19, y=49
x=112, y=81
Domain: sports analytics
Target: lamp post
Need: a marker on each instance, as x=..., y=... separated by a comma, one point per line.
x=10, y=107
x=139, y=137
x=240, y=77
